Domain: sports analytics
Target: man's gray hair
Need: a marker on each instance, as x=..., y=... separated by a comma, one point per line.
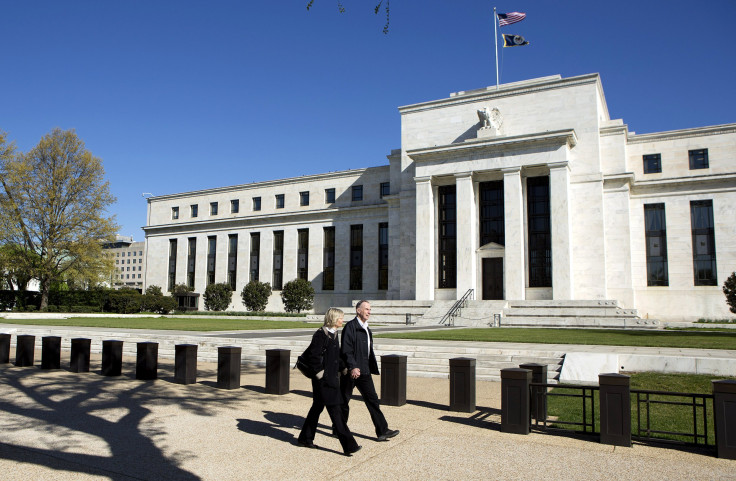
x=360, y=303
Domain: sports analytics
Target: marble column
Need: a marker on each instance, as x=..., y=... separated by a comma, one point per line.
x=425, y=262
x=514, y=269
x=559, y=199
x=467, y=234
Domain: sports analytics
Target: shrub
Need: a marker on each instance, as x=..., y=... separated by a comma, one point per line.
x=158, y=304
x=125, y=301
x=154, y=290
x=729, y=288
x=180, y=289
x=255, y=295
x=217, y=297
x=298, y=295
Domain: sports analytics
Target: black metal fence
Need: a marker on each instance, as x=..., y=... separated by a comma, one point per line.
x=646, y=417
x=585, y=425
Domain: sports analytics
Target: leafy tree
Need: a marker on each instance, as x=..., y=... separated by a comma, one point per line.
x=52, y=209
x=217, y=296
x=181, y=289
x=12, y=273
x=154, y=290
x=298, y=295
x=729, y=288
x=376, y=9
x=255, y=295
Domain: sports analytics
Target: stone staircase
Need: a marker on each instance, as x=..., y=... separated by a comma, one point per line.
x=474, y=314
x=592, y=313
x=392, y=311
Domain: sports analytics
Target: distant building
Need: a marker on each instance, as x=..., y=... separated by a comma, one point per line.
x=130, y=262
x=528, y=191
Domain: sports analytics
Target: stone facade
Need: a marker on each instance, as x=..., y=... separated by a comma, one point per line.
x=588, y=208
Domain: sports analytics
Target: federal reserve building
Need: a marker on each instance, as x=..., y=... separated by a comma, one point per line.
x=524, y=196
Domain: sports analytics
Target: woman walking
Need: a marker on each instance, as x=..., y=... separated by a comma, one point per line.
x=323, y=356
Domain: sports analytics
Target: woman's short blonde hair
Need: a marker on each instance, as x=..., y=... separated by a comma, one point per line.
x=332, y=315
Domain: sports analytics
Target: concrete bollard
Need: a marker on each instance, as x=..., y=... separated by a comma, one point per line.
x=51, y=352
x=393, y=380
x=615, y=400
x=277, y=371
x=185, y=363
x=462, y=384
x=228, y=367
x=79, y=358
x=4, y=348
x=515, y=400
x=25, y=350
x=146, y=365
x=724, y=410
x=538, y=395
x=112, y=358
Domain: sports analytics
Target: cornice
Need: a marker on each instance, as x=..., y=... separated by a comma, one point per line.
x=683, y=134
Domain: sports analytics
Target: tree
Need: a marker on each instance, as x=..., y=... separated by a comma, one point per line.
x=729, y=288
x=154, y=290
x=255, y=295
x=298, y=295
x=217, y=296
x=376, y=9
x=52, y=208
x=181, y=289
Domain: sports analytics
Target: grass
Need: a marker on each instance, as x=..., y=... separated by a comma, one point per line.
x=606, y=337
x=167, y=323
x=662, y=417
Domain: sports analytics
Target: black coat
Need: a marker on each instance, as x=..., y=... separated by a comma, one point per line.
x=354, y=347
x=328, y=373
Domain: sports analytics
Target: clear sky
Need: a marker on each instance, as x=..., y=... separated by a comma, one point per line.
x=182, y=95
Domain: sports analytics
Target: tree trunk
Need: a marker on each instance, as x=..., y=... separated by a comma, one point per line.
x=45, y=285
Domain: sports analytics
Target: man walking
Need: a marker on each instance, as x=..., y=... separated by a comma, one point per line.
x=357, y=352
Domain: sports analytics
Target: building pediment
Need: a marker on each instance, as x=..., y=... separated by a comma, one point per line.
x=491, y=247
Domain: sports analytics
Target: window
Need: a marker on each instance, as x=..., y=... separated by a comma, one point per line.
x=328, y=260
x=256, y=203
x=302, y=254
x=140, y=253
x=279, y=201
x=133, y=253
x=303, y=198
x=491, y=213
x=357, y=192
x=704, y=242
x=652, y=163
x=385, y=189
x=232, y=259
x=174, y=213
x=234, y=206
x=139, y=276
x=447, y=237
x=540, y=238
x=698, y=159
x=329, y=196
x=194, y=208
x=255, y=248
x=191, y=258
x=655, y=233
x=213, y=208
x=356, y=257
x=128, y=253
x=211, y=257
x=278, y=256
x=134, y=261
x=383, y=256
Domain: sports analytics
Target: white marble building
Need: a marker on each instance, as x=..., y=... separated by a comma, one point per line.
x=529, y=191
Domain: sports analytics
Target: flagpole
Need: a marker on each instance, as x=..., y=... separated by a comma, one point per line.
x=495, y=40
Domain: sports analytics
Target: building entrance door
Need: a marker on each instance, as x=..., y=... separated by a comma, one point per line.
x=492, y=278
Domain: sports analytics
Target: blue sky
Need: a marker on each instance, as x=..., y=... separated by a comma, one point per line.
x=182, y=95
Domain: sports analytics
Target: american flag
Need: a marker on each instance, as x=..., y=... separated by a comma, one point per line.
x=509, y=18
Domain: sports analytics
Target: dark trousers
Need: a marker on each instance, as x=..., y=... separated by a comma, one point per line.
x=339, y=426
x=365, y=386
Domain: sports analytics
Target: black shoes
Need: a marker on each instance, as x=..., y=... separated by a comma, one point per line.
x=307, y=444
x=390, y=433
x=350, y=452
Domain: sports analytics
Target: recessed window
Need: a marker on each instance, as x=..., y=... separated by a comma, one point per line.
x=279, y=201
x=174, y=212
x=195, y=210
x=303, y=198
x=698, y=159
x=357, y=192
x=385, y=189
x=329, y=196
x=704, y=242
x=234, y=206
x=213, y=208
x=652, y=163
x=256, y=203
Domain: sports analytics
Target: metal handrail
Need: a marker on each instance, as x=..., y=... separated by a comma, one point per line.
x=459, y=304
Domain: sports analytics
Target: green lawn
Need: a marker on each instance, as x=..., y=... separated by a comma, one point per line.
x=168, y=323
x=606, y=337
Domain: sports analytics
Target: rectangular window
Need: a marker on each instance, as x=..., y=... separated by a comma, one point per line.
x=448, y=237
x=213, y=208
x=491, y=213
x=329, y=196
x=256, y=203
x=357, y=193
x=194, y=210
x=211, y=256
x=540, y=238
x=385, y=189
x=302, y=254
x=356, y=257
x=655, y=234
x=328, y=260
x=652, y=163
x=232, y=259
x=279, y=201
x=704, y=242
x=303, y=198
x=278, y=257
x=172, y=264
x=191, y=261
x=255, y=250
x=698, y=159
x=174, y=213
x=140, y=253
x=383, y=256
x=234, y=206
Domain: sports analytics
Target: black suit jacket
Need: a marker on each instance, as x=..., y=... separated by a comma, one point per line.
x=327, y=365
x=355, y=348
